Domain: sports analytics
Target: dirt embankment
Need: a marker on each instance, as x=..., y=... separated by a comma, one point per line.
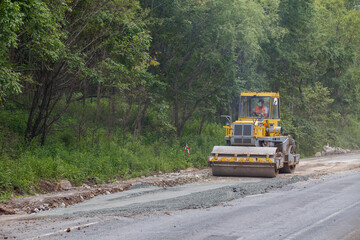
x=63, y=194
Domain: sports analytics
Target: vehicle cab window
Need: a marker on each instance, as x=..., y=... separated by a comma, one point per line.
x=254, y=107
x=275, y=108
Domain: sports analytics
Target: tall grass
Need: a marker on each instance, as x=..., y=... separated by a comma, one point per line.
x=70, y=153
x=122, y=157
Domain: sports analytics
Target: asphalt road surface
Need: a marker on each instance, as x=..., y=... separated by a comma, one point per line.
x=301, y=206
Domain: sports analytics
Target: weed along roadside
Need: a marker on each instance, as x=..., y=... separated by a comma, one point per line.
x=34, y=169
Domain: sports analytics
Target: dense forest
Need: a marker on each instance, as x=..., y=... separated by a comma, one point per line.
x=101, y=90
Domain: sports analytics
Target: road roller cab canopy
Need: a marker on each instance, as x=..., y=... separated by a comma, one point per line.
x=255, y=105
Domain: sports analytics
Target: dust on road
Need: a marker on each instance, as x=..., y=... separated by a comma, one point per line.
x=328, y=164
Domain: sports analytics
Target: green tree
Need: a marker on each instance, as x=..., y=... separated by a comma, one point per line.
x=67, y=48
x=339, y=54
x=205, y=47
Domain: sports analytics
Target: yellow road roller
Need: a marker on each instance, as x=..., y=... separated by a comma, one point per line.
x=256, y=146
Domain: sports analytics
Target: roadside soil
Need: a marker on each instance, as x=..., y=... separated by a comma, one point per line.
x=63, y=194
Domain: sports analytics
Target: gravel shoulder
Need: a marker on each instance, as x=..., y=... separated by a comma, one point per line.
x=62, y=196
x=68, y=196
x=162, y=194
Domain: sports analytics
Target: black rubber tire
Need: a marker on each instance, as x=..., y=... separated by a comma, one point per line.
x=276, y=172
x=288, y=169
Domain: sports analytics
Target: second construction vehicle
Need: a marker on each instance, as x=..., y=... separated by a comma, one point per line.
x=256, y=146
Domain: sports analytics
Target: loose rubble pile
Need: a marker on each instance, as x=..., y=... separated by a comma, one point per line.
x=64, y=194
x=331, y=151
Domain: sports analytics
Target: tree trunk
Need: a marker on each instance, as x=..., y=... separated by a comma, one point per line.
x=138, y=124
x=99, y=90
x=31, y=116
x=202, y=123
x=180, y=129
x=81, y=123
x=176, y=107
x=111, y=118
x=126, y=118
x=39, y=110
x=147, y=104
x=138, y=116
x=44, y=133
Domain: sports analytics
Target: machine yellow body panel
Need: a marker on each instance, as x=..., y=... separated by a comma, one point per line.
x=256, y=146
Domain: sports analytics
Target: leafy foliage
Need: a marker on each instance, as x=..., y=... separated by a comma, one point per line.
x=111, y=89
